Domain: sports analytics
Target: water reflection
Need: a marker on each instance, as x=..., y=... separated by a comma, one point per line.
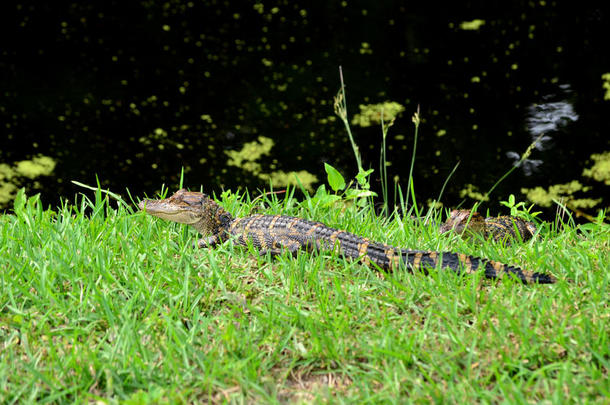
x=544, y=119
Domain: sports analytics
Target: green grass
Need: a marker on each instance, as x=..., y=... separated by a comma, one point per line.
x=120, y=307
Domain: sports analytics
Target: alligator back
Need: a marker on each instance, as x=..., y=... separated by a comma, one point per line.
x=503, y=228
x=509, y=228
x=277, y=233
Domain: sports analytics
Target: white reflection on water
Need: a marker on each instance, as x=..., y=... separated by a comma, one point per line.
x=544, y=119
x=529, y=166
x=547, y=117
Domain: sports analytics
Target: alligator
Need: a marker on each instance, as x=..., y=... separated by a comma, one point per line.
x=275, y=234
x=504, y=228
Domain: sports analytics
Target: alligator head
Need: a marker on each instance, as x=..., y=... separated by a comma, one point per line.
x=191, y=208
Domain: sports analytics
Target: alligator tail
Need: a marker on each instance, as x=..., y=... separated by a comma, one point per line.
x=464, y=264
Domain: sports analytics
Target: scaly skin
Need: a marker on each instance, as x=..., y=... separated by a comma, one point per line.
x=277, y=233
x=503, y=228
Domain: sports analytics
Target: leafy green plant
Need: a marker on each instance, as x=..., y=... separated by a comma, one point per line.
x=385, y=114
x=336, y=181
x=519, y=210
x=340, y=107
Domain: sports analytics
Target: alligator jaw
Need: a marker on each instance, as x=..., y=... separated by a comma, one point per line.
x=169, y=211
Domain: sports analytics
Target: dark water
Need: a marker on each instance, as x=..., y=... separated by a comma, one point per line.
x=132, y=92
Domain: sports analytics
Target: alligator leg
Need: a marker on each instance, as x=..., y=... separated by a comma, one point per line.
x=209, y=241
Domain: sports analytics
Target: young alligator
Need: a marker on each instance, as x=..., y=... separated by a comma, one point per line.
x=277, y=233
x=503, y=228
